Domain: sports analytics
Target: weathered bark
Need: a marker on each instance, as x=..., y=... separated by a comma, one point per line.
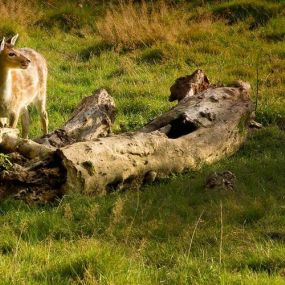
x=28, y=148
x=37, y=181
x=201, y=129
x=92, y=118
x=189, y=85
x=37, y=174
x=8, y=131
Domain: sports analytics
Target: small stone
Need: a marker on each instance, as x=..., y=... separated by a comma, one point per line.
x=255, y=125
x=150, y=176
x=224, y=180
x=213, y=180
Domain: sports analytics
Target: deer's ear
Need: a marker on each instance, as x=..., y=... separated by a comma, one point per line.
x=2, y=44
x=13, y=40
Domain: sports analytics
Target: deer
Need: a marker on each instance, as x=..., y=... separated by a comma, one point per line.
x=23, y=80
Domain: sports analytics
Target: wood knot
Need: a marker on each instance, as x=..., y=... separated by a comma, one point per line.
x=88, y=165
x=214, y=98
x=209, y=115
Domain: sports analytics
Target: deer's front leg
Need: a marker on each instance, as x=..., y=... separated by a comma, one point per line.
x=25, y=118
x=14, y=117
x=40, y=105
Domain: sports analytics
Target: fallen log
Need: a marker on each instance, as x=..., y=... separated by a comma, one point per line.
x=10, y=142
x=208, y=123
x=201, y=129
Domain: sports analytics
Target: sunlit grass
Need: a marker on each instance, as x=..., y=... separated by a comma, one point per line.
x=144, y=236
x=149, y=236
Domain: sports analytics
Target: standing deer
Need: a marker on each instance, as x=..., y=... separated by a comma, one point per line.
x=23, y=77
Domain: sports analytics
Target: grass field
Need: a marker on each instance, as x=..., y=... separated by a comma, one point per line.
x=174, y=231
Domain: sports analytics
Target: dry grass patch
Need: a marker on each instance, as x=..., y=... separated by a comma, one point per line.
x=23, y=12
x=131, y=25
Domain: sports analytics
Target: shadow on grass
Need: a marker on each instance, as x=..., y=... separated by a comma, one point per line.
x=260, y=12
x=263, y=265
x=94, y=50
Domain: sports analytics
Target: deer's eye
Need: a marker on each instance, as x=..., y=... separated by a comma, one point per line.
x=11, y=54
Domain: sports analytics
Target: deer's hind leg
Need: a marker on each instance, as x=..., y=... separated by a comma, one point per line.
x=25, y=118
x=41, y=108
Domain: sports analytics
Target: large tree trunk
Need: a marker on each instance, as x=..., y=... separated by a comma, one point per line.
x=201, y=129
x=205, y=126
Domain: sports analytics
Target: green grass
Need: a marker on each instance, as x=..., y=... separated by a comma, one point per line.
x=144, y=237
x=155, y=235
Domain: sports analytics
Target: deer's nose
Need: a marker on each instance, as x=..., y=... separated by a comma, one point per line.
x=28, y=61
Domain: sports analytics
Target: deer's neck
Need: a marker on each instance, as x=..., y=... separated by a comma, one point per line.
x=5, y=84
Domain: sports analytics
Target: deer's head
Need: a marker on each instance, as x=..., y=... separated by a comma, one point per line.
x=11, y=57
